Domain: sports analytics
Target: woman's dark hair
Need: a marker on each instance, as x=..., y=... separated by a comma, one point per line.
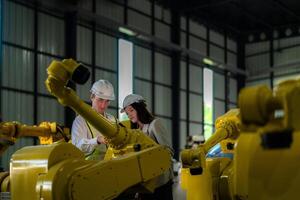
x=143, y=114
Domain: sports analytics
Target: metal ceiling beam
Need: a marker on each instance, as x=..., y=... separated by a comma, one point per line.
x=281, y=5
x=252, y=16
x=213, y=22
x=204, y=5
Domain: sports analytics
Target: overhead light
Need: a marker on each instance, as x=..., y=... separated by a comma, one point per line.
x=127, y=31
x=208, y=61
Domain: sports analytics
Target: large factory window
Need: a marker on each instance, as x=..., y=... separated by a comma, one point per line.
x=208, y=102
x=125, y=72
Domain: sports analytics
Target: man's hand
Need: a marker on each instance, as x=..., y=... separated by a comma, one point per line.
x=101, y=139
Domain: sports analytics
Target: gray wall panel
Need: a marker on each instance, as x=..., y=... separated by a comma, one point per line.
x=232, y=45
x=265, y=81
x=17, y=68
x=255, y=64
x=182, y=105
x=216, y=37
x=83, y=91
x=219, y=86
x=216, y=53
x=50, y=110
x=257, y=47
x=16, y=107
x=18, y=24
x=51, y=34
x=233, y=90
x=162, y=31
x=198, y=45
x=86, y=4
x=84, y=44
x=43, y=63
x=197, y=29
x=110, y=10
x=195, y=129
x=162, y=14
x=287, y=55
x=196, y=80
x=163, y=101
x=144, y=89
x=195, y=112
x=106, y=51
x=219, y=109
x=182, y=135
x=142, y=63
x=139, y=21
x=183, y=39
x=286, y=42
x=183, y=22
x=162, y=68
x=232, y=59
x=141, y=5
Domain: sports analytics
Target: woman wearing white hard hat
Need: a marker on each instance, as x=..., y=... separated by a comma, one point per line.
x=84, y=135
x=135, y=107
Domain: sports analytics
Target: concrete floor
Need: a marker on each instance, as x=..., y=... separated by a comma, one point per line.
x=178, y=193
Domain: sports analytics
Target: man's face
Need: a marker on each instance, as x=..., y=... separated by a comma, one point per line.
x=100, y=105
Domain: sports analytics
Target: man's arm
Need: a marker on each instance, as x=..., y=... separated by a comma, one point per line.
x=81, y=136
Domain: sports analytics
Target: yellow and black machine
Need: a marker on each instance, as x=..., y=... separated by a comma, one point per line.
x=264, y=137
x=133, y=162
x=47, y=133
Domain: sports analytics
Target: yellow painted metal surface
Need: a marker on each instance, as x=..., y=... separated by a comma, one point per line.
x=272, y=174
x=266, y=163
x=30, y=162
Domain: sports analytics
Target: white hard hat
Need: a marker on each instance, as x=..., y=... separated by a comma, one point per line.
x=103, y=89
x=130, y=99
x=198, y=138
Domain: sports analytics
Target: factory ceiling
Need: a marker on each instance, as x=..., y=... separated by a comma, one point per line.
x=242, y=16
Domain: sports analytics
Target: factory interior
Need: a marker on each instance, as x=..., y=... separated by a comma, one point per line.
x=150, y=99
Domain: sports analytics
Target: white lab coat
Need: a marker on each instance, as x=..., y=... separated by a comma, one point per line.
x=82, y=137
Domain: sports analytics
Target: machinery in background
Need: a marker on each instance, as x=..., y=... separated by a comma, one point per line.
x=199, y=175
x=133, y=162
x=265, y=165
x=47, y=132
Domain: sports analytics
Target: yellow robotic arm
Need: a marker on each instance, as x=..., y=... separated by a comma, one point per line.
x=59, y=171
x=47, y=132
x=227, y=127
x=197, y=171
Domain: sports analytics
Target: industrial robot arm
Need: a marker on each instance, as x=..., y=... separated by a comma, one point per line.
x=227, y=126
x=46, y=131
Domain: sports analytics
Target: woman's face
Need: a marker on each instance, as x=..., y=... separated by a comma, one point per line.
x=132, y=114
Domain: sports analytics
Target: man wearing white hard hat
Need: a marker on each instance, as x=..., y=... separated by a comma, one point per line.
x=84, y=135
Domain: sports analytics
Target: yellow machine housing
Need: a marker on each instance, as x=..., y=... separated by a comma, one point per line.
x=59, y=171
x=47, y=133
x=266, y=162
